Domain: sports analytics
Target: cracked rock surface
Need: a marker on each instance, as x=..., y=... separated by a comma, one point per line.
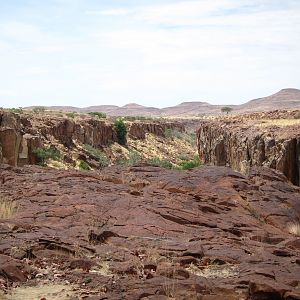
x=143, y=232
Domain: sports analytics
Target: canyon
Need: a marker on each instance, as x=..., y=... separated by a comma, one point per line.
x=228, y=229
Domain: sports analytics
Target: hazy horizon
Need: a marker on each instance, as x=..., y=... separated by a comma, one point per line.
x=86, y=53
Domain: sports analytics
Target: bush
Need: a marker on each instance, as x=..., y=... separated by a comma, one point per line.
x=97, y=154
x=83, y=165
x=71, y=115
x=17, y=110
x=190, y=164
x=160, y=163
x=121, y=131
x=44, y=154
x=100, y=115
x=38, y=109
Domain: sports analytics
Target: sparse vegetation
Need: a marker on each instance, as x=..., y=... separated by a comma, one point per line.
x=39, y=109
x=43, y=154
x=160, y=163
x=175, y=133
x=134, y=158
x=17, y=110
x=191, y=138
x=97, y=154
x=169, y=133
x=121, y=129
x=71, y=115
x=99, y=115
x=7, y=208
x=83, y=165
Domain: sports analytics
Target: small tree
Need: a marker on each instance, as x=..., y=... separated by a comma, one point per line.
x=121, y=130
x=100, y=115
x=226, y=109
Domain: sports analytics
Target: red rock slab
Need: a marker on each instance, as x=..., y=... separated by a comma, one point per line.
x=209, y=232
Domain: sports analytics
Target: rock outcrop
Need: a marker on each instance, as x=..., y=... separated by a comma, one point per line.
x=149, y=233
x=138, y=130
x=242, y=142
x=15, y=146
x=21, y=135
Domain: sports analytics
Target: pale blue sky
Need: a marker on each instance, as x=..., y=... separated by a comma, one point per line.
x=155, y=53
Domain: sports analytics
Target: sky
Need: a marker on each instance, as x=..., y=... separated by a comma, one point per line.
x=154, y=53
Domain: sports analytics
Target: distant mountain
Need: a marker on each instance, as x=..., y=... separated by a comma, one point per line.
x=284, y=99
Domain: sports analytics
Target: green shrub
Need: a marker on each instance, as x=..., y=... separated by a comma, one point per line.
x=44, y=154
x=38, y=109
x=190, y=164
x=183, y=157
x=17, y=110
x=71, y=115
x=83, y=165
x=100, y=115
x=97, y=154
x=160, y=163
x=121, y=131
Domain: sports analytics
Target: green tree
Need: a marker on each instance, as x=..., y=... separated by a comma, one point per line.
x=226, y=109
x=121, y=130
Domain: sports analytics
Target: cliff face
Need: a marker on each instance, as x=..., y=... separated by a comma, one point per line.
x=16, y=145
x=138, y=130
x=21, y=135
x=243, y=144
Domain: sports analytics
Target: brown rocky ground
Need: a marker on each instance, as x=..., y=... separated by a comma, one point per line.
x=260, y=139
x=148, y=233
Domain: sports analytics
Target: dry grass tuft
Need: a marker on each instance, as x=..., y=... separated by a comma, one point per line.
x=7, y=208
x=214, y=271
x=294, y=228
